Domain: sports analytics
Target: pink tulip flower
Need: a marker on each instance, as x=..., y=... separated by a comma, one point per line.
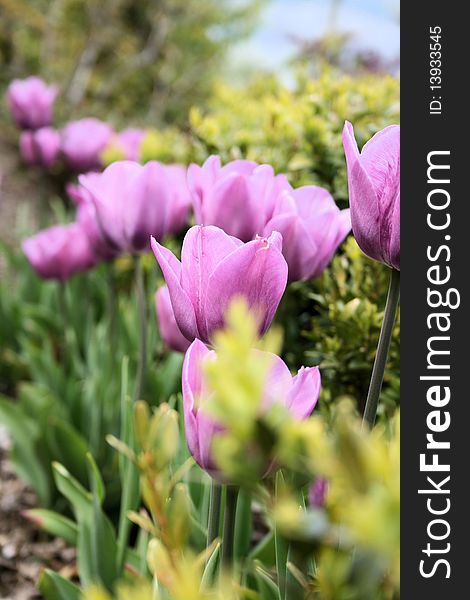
x=374, y=193
x=59, y=252
x=312, y=228
x=298, y=394
x=31, y=102
x=82, y=143
x=87, y=218
x=129, y=141
x=214, y=269
x=41, y=147
x=238, y=197
x=135, y=201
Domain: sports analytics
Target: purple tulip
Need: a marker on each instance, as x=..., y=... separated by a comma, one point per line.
x=312, y=228
x=31, y=102
x=214, y=269
x=298, y=394
x=87, y=218
x=374, y=193
x=135, y=201
x=82, y=143
x=169, y=329
x=129, y=141
x=41, y=147
x=317, y=492
x=238, y=197
x=59, y=251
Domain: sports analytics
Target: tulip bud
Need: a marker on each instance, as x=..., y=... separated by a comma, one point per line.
x=31, y=102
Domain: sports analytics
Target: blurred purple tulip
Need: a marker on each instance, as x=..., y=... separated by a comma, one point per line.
x=135, y=201
x=298, y=394
x=238, y=197
x=82, y=143
x=214, y=269
x=31, y=102
x=59, y=251
x=41, y=147
x=87, y=218
x=317, y=492
x=374, y=193
x=129, y=141
x=312, y=228
x=169, y=330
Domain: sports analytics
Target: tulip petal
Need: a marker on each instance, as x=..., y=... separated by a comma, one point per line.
x=304, y=393
x=256, y=271
x=192, y=387
x=365, y=213
x=227, y=201
x=182, y=307
x=199, y=427
x=147, y=205
x=313, y=200
x=278, y=383
x=380, y=157
x=203, y=249
x=199, y=180
x=169, y=330
x=108, y=194
x=299, y=249
x=394, y=251
x=240, y=166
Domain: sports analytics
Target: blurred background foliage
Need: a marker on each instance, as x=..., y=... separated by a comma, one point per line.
x=150, y=60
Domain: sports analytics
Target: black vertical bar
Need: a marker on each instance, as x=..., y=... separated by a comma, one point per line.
x=435, y=121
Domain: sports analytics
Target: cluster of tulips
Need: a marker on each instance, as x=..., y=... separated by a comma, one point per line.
x=253, y=234
x=79, y=144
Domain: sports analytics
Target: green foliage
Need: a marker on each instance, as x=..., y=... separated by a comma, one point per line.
x=334, y=321
x=297, y=131
x=65, y=383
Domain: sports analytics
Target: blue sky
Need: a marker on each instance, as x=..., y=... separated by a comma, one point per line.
x=374, y=24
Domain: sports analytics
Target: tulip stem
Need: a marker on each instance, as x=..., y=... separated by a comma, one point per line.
x=142, y=307
x=229, y=524
x=214, y=512
x=63, y=308
x=297, y=568
x=383, y=346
